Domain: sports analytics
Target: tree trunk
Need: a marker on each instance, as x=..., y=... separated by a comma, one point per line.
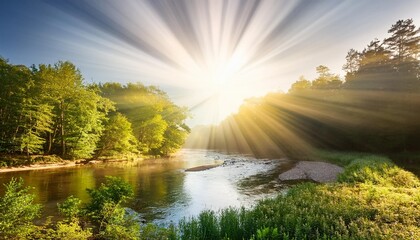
x=63, y=143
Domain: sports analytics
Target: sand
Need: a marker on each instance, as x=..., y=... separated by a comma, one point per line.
x=316, y=171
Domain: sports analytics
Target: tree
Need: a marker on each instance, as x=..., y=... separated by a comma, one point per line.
x=177, y=131
x=325, y=79
x=78, y=111
x=117, y=137
x=375, y=71
x=404, y=44
x=150, y=133
x=404, y=41
x=352, y=64
x=158, y=124
x=299, y=85
x=36, y=122
x=24, y=117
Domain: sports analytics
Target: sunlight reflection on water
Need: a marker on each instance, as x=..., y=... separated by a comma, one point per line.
x=164, y=192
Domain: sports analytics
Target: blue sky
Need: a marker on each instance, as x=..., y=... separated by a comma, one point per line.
x=208, y=55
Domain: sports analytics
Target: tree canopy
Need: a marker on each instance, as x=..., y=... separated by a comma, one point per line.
x=47, y=109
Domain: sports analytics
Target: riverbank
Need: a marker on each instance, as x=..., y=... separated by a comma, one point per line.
x=372, y=199
x=38, y=167
x=40, y=162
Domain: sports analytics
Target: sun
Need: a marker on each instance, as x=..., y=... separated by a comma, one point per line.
x=221, y=85
x=224, y=94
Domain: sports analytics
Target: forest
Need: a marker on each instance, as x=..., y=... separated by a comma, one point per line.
x=49, y=110
x=373, y=109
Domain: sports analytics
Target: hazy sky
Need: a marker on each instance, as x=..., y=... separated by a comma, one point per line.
x=208, y=55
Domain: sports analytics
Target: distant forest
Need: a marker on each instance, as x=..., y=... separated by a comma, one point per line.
x=47, y=109
x=375, y=108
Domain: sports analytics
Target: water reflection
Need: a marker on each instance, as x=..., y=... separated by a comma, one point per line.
x=164, y=192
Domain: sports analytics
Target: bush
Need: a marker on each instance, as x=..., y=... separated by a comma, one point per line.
x=70, y=231
x=104, y=212
x=114, y=190
x=71, y=208
x=17, y=211
x=115, y=224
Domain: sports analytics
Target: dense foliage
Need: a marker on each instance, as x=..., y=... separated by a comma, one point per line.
x=17, y=211
x=158, y=124
x=374, y=109
x=47, y=109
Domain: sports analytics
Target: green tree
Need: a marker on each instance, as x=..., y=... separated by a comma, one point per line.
x=177, y=131
x=158, y=124
x=13, y=82
x=79, y=111
x=151, y=133
x=117, y=137
x=24, y=117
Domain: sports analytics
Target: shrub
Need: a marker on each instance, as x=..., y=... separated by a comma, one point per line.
x=115, y=224
x=114, y=190
x=71, y=208
x=70, y=231
x=104, y=212
x=17, y=211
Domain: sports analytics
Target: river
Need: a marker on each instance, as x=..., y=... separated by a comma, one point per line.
x=164, y=191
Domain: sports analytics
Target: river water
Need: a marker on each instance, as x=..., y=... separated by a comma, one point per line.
x=164, y=191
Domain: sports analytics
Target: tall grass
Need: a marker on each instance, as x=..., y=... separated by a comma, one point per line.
x=374, y=199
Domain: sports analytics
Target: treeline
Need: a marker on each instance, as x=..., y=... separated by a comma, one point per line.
x=375, y=108
x=47, y=109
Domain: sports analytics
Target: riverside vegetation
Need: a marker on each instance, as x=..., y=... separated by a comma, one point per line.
x=48, y=113
x=372, y=199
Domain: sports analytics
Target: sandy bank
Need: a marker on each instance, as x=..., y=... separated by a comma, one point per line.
x=316, y=171
x=38, y=167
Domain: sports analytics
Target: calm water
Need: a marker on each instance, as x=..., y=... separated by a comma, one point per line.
x=164, y=192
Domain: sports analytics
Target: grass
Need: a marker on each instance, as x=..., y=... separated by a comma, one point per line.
x=373, y=199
